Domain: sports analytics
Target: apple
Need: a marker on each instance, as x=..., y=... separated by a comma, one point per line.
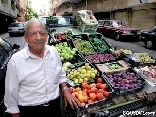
x=81, y=98
x=99, y=96
x=84, y=85
x=90, y=101
x=98, y=85
x=106, y=93
x=103, y=86
x=92, y=85
x=93, y=90
x=101, y=91
x=92, y=96
x=99, y=80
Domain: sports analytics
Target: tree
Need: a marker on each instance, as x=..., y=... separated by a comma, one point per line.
x=30, y=12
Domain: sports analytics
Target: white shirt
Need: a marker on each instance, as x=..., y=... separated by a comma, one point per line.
x=31, y=80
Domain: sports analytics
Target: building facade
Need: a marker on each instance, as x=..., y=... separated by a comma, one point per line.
x=9, y=11
x=137, y=13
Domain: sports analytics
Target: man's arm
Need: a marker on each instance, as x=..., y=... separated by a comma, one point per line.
x=11, y=89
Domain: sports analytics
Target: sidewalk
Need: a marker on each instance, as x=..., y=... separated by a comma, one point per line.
x=4, y=35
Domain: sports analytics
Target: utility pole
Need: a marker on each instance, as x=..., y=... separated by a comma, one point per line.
x=86, y=4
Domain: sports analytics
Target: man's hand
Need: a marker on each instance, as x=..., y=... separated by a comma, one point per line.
x=68, y=97
x=16, y=115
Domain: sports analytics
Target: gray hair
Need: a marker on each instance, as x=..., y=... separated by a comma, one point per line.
x=33, y=20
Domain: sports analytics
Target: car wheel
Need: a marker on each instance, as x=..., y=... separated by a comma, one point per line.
x=149, y=44
x=117, y=37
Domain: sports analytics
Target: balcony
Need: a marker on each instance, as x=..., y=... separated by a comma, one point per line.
x=5, y=8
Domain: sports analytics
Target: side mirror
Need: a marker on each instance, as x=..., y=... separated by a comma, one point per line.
x=15, y=46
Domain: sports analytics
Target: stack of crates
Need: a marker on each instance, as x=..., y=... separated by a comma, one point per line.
x=86, y=20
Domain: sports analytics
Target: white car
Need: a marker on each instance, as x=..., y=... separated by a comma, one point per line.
x=16, y=28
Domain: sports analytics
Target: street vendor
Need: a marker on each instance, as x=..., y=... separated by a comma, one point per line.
x=35, y=76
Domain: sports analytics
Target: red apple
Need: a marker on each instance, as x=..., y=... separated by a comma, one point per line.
x=90, y=101
x=99, y=96
x=84, y=85
x=98, y=85
x=92, y=96
x=99, y=80
x=93, y=90
x=106, y=93
x=101, y=91
x=103, y=86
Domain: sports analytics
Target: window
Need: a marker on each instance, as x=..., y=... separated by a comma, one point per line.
x=107, y=23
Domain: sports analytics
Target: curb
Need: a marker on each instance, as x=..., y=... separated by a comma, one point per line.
x=4, y=35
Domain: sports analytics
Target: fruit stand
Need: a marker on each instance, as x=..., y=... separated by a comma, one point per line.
x=105, y=81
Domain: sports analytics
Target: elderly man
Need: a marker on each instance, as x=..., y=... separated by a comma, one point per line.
x=34, y=77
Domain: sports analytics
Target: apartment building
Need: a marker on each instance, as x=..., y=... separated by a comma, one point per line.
x=9, y=11
x=22, y=11
x=137, y=13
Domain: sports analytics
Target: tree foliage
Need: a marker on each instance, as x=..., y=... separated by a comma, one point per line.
x=30, y=12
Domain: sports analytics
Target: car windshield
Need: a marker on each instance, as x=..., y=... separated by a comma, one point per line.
x=64, y=21
x=14, y=25
x=100, y=22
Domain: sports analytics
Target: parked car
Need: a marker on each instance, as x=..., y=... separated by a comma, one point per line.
x=6, y=51
x=118, y=30
x=17, y=28
x=149, y=37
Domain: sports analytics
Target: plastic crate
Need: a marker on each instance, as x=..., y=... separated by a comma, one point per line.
x=83, y=37
x=76, y=66
x=102, y=39
x=120, y=91
x=102, y=57
x=95, y=105
x=134, y=63
x=86, y=20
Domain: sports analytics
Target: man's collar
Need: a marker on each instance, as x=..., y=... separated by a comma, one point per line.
x=29, y=54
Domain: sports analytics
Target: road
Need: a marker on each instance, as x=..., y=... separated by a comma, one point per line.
x=16, y=40
x=134, y=46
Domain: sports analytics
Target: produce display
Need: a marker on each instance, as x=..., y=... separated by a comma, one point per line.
x=65, y=52
x=100, y=57
x=148, y=72
x=99, y=45
x=83, y=46
x=142, y=58
x=60, y=36
x=125, y=51
x=113, y=67
x=88, y=93
x=83, y=73
x=125, y=81
x=86, y=20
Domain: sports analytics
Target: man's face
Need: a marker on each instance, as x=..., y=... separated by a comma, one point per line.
x=36, y=36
